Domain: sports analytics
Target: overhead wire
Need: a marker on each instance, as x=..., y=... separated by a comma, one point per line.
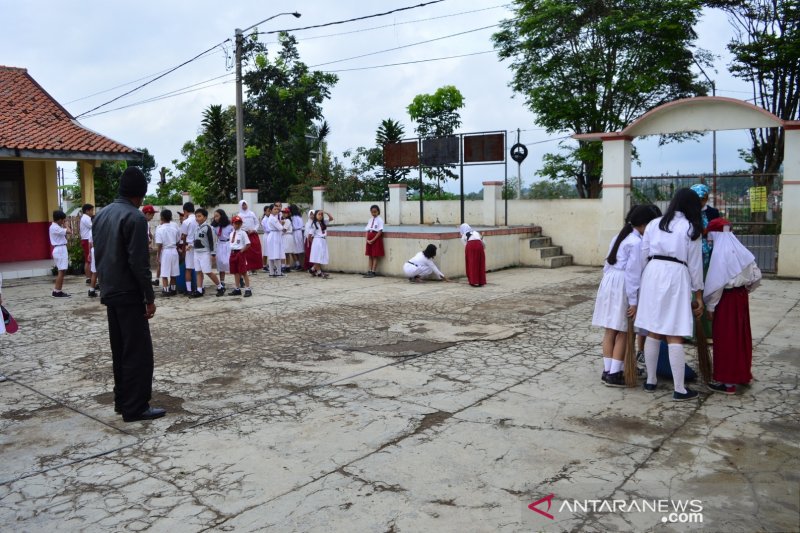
x=410, y=62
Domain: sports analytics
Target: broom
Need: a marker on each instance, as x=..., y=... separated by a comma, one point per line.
x=630, y=371
x=703, y=357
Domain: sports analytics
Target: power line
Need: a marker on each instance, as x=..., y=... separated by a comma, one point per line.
x=394, y=24
x=411, y=62
x=352, y=19
x=173, y=69
x=404, y=46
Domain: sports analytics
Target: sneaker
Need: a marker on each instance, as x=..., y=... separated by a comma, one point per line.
x=603, y=376
x=88, y=281
x=721, y=387
x=649, y=387
x=198, y=294
x=265, y=269
x=617, y=379
x=92, y=293
x=248, y=293
x=683, y=396
x=60, y=294
x=173, y=292
x=235, y=292
x=369, y=274
x=221, y=291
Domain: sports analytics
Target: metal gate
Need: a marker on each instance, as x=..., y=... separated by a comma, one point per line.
x=753, y=203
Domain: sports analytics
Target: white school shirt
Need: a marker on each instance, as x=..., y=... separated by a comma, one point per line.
x=189, y=227
x=676, y=244
x=86, y=227
x=297, y=223
x=375, y=224
x=274, y=224
x=167, y=235
x=239, y=240
x=58, y=235
x=421, y=260
x=249, y=220
x=317, y=231
x=224, y=234
x=629, y=262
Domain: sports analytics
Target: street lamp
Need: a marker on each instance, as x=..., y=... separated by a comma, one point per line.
x=239, y=108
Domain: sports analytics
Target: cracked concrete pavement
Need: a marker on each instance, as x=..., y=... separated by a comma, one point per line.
x=379, y=405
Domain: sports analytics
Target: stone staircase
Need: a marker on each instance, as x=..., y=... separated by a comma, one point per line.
x=539, y=252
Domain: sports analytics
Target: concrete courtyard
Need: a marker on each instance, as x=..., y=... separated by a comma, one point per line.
x=377, y=405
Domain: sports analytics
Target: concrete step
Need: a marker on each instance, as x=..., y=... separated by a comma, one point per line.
x=556, y=261
x=540, y=242
x=549, y=251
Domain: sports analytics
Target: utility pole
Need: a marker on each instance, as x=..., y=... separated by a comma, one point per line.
x=240, y=181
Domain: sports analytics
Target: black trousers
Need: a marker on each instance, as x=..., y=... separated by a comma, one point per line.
x=132, y=355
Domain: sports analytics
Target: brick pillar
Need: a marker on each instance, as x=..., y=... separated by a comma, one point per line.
x=185, y=197
x=251, y=197
x=397, y=196
x=616, y=187
x=789, y=243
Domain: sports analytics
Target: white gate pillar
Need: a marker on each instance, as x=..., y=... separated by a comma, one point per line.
x=616, y=186
x=789, y=242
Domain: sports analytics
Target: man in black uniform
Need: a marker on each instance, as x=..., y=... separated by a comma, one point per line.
x=122, y=257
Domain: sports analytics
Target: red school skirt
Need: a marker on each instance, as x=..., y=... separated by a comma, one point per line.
x=307, y=255
x=733, y=340
x=376, y=248
x=475, y=259
x=253, y=254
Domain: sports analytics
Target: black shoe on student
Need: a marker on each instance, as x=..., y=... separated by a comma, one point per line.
x=235, y=292
x=617, y=379
x=248, y=293
x=683, y=396
x=92, y=293
x=61, y=294
x=155, y=283
x=88, y=281
x=149, y=414
x=198, y=294
x=173, y=292
x=221, y=291
x=604, y=376
x=649, y=387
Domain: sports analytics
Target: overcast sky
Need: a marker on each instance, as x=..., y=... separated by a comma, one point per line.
x=87, y=52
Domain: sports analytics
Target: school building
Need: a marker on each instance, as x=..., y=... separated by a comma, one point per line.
x=35, y=133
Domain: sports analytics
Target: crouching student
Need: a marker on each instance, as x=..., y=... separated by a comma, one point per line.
x=422, y=266
x=240, y=243
x=168, y=235
x=203, y=246
x=732, y=275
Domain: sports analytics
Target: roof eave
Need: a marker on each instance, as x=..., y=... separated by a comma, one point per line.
x=70, y=155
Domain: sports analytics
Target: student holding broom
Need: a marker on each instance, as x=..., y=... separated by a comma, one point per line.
x=673, y=256
x=618, y=295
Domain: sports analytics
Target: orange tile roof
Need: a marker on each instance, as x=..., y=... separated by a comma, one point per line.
x=32, y=121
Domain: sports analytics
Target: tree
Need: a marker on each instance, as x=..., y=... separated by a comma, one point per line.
x=368, y=163
x=107, y=175
x=766, y=53
x=218, y=139
x=587, y=66
x=437, y=115
x=284, y=99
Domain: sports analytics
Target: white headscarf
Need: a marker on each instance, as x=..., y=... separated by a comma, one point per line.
x=249, y=218
x=464, y=229
x=729, y=259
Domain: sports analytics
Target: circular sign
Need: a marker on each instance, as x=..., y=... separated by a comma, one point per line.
x=519, y=152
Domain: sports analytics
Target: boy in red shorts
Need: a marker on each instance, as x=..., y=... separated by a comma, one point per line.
x=239, y=242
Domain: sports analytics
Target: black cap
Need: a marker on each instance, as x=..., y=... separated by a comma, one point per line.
x=133, y=184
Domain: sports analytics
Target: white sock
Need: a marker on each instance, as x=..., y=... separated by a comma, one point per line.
x=616, y=366
x=677, y=361
x=606, y=363
x=188, y=286
x=220, y=286
x=200, y=290
x=651, y=348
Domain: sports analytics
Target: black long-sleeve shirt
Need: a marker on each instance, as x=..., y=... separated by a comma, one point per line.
x=121, y=253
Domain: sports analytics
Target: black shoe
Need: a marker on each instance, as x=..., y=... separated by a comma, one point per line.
x=88, y=281
x=221, y=291
x=248, y=293
x=92, y=293
x=173, y=292
x=60, y=294
x=617, y=379
x=198, y=294
x=604, y=376
x=155, y=283
x=97, y=287
x=235, y=292
x=649, y=387
x=683, y=396
x=149, y=414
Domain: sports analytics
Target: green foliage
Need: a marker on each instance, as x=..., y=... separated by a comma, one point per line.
x=284, y=99
x=437, y=115
x=107, y=175
x=766, y=53
x=587, y=66
x=71, y=192
x=549, y=190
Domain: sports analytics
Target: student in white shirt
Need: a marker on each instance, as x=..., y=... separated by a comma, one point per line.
x=223, y=229
x=188, y=228
x=168, y=235
x=422, y=266
x=85, y=229
x=274, y=249
x=203, y=248
x=319, y=244
x=374, y=249
x=672, y=253
x=58, y=240
x=288, y=240
x=299, y=236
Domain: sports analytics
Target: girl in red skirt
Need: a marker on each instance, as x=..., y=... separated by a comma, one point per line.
x=732, y=274
x=474, y=255
x=374, y=241
x=307, y=241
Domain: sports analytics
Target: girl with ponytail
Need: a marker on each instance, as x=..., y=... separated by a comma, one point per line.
x=618, y=294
